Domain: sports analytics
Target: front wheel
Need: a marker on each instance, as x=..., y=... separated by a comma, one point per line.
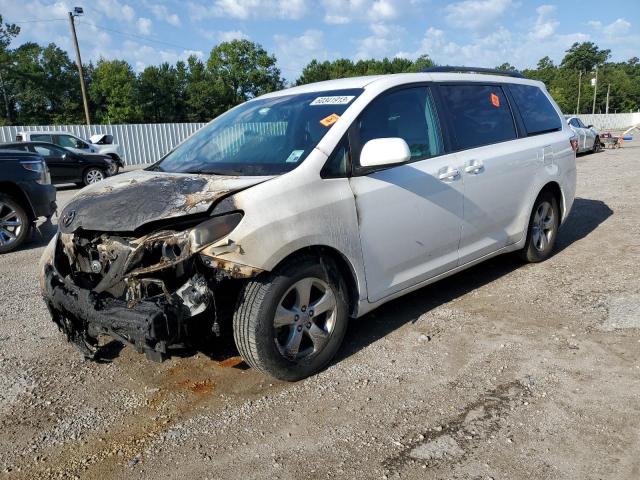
x=15, y=224
x=597, y=146
x=290, y=323
x=113, y=169
x=93, y=175
x=543, y=229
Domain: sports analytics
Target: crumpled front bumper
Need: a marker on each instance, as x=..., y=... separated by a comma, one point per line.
x=150, y=326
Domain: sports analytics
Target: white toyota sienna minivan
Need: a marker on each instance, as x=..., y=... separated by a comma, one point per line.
x=296, y=210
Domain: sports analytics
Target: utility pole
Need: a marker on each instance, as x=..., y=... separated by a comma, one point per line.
x=77, y=11
x=595, y=89
x=607, y=103
x=579, y=84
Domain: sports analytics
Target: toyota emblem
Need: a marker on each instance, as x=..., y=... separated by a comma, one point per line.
x=68, y=217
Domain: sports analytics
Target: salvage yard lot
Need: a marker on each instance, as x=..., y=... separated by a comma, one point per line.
x=504, y=371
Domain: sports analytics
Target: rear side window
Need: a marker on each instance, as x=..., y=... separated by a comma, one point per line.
x=66, y=141
x=480, y=114
x=41, y=138
x=536, y=110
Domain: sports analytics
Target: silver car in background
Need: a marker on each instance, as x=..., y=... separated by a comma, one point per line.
x=588, y=136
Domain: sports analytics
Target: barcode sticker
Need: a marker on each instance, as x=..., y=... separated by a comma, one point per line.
x=336, y=100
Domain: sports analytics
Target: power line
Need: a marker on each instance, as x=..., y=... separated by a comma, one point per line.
x=41, y=20
x=133, y=35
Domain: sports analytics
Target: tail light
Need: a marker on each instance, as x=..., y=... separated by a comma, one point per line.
x=39, y=167
x=574, y=143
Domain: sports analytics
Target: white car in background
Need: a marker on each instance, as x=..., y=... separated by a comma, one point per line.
x=99, y=143
x=588, y=136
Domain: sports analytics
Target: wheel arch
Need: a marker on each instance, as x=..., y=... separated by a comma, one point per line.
x=16, y=193
x=115, y=157
x=554, y=188
x=345, y=268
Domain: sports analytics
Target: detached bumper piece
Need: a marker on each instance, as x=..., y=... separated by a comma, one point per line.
x=150, y=326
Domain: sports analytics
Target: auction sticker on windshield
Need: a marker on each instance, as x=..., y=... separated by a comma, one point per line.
x=295, y=155
x=335, y=100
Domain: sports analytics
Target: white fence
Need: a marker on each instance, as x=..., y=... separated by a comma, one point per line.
x=139, y=143
x=611, y=121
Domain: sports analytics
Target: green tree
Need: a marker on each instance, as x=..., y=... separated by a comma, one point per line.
x=161, y=94
x=113, y=91
x=8, y=31
x=244, y=70
x=584, y=56
x=202, y=97
x=315, y=71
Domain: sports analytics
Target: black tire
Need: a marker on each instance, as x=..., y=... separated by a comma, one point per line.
x=8, y=206
x=532, y=251
x=597, y=146
x=115, y=166
x=89, y=174
x=257, y=338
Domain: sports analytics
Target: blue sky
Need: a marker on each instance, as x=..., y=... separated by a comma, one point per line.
x=468, y=32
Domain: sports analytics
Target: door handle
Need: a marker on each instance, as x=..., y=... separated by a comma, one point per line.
x=448, y=173
x=474, y=167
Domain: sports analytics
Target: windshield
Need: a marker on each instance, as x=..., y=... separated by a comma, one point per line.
x=261, y=137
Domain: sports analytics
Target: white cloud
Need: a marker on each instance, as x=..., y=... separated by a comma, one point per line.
x=617, y=28
x=223, y=35
x=162, y=13
x=345, y=11
x=383, y=41
x=144, y=25
x=293, y=53
x=245, y=9
x=545, y=25
x=476, y=14
x=141, y=56
x=232, y=35
x=113, y=9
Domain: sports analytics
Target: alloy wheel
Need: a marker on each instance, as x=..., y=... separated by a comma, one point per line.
x=94, y=176
x=10, y=224
x=543, y=227
x=305, y=319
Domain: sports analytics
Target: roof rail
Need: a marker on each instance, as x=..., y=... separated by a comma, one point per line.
x=493, y=71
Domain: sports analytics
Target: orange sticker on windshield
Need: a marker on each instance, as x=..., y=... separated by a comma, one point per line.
x=495, y=100
x=330, y=120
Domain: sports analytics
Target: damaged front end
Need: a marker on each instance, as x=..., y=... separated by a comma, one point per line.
x=154, y=292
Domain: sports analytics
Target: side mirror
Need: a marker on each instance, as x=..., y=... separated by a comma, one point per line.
x=589, y=126
x=384, y=151
x=65, y=156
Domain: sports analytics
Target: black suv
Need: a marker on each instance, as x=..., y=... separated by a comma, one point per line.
x=26, y=194
x=67, y=166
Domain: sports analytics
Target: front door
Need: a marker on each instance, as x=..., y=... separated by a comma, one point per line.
x=63, y=165
x=409, y=215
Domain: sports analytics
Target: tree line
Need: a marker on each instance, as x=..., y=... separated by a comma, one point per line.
x=39, y=85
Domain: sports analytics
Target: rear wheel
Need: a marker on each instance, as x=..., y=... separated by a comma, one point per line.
x=15, y=224
x=290, y=323
x=543, y=229
x=93, y=175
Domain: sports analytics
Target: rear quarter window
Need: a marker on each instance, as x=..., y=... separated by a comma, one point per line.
x=41, y=138
x=536, y=110
x=480, y=114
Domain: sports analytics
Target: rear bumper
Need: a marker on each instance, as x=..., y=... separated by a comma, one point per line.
x=151, y=326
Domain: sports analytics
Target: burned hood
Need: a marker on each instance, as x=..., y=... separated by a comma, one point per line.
x=127, y=202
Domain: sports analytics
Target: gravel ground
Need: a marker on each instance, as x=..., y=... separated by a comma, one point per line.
x=505, y=371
